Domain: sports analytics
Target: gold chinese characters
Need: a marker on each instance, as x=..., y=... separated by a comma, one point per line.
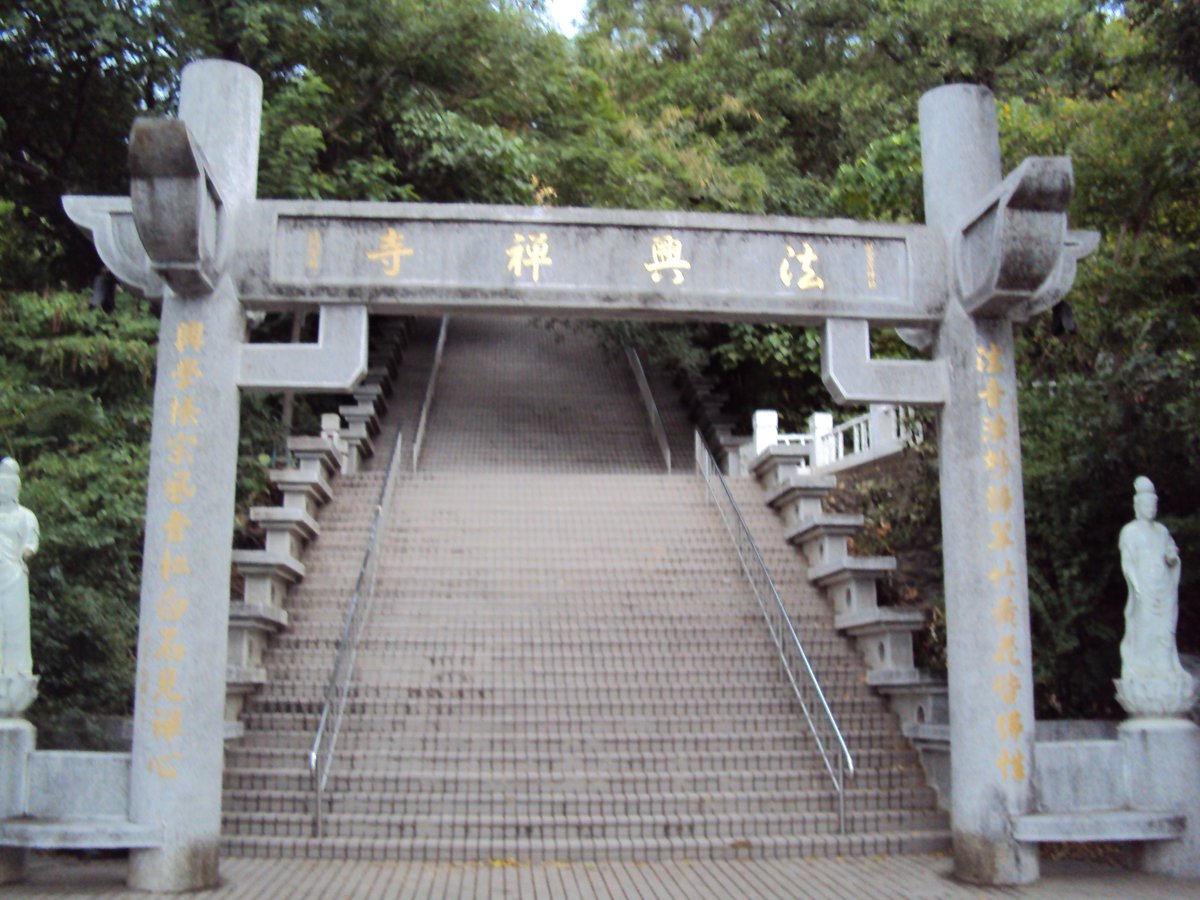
x=529, y=251
x=1006, y=685
x=808, y=279
x=666, y=255
x=391, y=251
x=165, y=709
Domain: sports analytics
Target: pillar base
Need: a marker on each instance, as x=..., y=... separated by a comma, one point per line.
x=984, y=861
x=175, y=869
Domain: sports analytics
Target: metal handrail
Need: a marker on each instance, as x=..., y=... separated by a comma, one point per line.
x=427, y=403
x=656, y=422
x=337, y=687
x=820, y=718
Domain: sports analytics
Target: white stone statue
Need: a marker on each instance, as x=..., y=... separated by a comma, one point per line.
x=18, y=542
x=1153, y=682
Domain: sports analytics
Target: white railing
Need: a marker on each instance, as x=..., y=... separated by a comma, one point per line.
x=427, y=403
x=656, y=422
x=340, y=683
x=827, y=736
x=882, y=431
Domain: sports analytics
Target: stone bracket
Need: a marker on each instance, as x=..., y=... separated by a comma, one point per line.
x=177, y=205
x=334, y=363
x=853, y=377
x=1014, y=256
x=1076, y=246
x=108, y=221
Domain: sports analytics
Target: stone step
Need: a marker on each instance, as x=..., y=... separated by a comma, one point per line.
x=463, y=700
x=591, y=827
x=557, y=678
x=488, y=745
x=297, y=729
x=563, y=673
x=557, y=663
x=294, y=777
x=579, y=849
x=431, y=642
x=599, y=762
x=577, y=804
x=437, y=703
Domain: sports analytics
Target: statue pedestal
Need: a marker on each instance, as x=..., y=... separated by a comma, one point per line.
x=17, y=693
x=1162, y=759
x=17, y=740
x=1160, y=697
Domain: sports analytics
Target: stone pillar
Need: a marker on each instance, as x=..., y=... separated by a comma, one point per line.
x=766, y=429
x=820, y=424
x=883, y=418
x=175, y=782
x=983, y=521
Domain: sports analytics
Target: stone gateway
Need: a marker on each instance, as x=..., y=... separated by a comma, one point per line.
x=995, y=250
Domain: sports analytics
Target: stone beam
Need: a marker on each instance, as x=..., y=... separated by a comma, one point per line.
x=594, y=263
x=853, y=377
x=335, y=363
x=411, y=258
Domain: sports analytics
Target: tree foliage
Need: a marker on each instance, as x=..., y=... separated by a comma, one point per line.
x=789, y=107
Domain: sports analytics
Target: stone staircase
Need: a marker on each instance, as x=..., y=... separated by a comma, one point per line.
x=564, y=660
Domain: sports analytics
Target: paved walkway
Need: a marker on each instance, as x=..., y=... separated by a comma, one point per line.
x=924, y=877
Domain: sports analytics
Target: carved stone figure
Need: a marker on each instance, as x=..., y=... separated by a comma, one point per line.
x=18, y=542
x=1153, y=682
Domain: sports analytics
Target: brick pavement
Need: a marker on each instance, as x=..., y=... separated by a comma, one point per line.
x=920, y=877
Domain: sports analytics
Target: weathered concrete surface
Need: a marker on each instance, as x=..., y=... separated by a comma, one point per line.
x=1109, y=825
x=72, y=783
x=1076, y=776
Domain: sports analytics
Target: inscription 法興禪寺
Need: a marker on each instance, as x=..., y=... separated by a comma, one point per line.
x=666, y=255
x=529, y=251
x=392, y=250
x=808, y=279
